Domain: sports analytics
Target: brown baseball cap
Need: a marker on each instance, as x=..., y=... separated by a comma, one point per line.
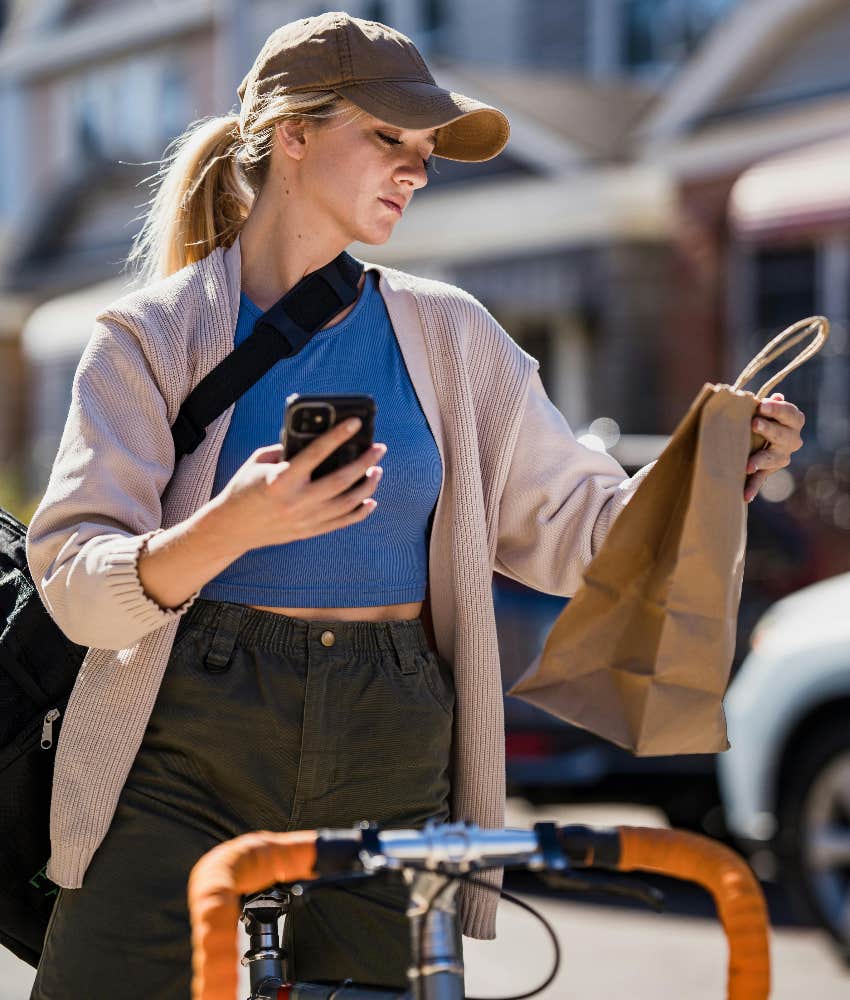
x=379, y=70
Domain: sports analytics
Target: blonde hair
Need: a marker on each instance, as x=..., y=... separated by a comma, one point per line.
x=210, y=176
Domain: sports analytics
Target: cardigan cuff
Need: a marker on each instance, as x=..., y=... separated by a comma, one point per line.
x=122, y=579
x=477, y=905
x=68, y=864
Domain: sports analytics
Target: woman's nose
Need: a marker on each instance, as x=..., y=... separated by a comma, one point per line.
x=413, y=173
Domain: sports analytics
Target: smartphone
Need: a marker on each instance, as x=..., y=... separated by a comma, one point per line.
x=306, y=417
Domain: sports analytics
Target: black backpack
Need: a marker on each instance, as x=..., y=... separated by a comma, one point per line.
x=38, y=664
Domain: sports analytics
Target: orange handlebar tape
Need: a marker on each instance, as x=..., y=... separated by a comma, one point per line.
x=246, y=864
x=737, y=895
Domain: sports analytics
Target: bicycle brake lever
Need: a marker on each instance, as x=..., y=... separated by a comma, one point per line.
x=652, y=897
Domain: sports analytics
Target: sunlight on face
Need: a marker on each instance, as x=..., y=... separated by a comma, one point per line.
x=352, y=169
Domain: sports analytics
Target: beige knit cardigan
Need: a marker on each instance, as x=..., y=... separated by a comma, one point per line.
x=519, y=494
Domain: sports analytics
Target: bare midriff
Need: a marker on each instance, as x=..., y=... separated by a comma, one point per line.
x=385, y=613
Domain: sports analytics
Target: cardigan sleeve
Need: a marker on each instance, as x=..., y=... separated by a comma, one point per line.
x=102, y=501
x=559, y=500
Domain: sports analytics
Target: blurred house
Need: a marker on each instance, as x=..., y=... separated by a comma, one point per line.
x=754, y=132
x=600, y=234
x=561, y=236
x=88, y=93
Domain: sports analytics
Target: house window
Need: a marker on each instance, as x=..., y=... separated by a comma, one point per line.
x=174, y=102
x=786, y=290
x=132, y=107
x=659, y=34
x=433, y=15
x=376, y=10
x=535, y=337
x=91, y=114
x=432, y=37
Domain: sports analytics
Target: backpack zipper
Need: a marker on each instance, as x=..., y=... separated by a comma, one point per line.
x=47, y=728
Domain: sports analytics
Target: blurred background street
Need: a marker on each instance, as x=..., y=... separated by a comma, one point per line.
x=675, y=192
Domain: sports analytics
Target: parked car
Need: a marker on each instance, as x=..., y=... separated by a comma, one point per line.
x=785, y=783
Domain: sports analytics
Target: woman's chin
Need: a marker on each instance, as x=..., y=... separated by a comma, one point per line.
x=376, y=232
x=374, y=239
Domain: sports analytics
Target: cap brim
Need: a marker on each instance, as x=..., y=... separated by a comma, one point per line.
x=468, y=129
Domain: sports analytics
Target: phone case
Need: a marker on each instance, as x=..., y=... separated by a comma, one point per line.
x=343, y=406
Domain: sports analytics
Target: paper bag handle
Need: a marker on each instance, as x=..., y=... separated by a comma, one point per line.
x=791, y=335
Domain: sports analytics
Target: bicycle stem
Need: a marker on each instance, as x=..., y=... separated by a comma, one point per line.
x=260, y=915
x=436, y=968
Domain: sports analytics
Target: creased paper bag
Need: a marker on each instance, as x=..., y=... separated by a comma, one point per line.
x=642, y=653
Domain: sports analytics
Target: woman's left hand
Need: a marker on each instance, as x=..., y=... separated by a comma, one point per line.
x=779, y=423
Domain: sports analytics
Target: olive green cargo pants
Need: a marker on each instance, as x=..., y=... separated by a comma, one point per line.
x=262, y=722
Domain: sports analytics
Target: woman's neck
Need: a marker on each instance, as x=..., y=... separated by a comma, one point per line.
x=279, y=246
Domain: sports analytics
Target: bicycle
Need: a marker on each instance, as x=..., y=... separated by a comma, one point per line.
x=433, y=861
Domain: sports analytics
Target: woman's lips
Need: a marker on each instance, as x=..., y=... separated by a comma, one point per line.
x=391, y=205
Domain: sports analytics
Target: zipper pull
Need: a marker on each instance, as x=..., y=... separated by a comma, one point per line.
x=47, y=728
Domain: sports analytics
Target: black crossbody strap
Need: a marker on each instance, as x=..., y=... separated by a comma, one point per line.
x=279, y=333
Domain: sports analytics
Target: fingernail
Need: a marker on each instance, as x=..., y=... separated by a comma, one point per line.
x=381, y=449
x=353, y=424
x=375, y=472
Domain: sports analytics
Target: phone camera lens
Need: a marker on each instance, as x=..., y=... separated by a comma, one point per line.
x=311, y=420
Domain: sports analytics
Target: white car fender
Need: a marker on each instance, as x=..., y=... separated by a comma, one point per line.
x=795, y=669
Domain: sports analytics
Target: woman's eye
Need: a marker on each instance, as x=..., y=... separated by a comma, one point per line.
x=392, y=141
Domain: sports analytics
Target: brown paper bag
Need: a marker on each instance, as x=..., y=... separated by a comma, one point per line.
x=642, y=653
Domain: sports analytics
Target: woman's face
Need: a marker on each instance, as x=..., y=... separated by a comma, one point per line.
x=350, y=173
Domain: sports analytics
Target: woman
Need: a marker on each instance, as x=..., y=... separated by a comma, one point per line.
x=335, y=655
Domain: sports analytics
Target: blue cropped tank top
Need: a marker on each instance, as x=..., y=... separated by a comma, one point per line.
x=384, y=559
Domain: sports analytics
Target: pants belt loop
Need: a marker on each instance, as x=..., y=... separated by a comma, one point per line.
x=220, y=652
x=406, y=658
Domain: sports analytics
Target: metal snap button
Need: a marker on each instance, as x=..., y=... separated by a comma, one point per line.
x=328, y=638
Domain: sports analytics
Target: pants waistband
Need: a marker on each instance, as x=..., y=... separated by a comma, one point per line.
x=250, y=627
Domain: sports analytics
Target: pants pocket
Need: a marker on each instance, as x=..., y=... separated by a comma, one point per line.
x=439, y=677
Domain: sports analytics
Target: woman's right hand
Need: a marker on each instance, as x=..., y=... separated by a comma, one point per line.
x=269, y=501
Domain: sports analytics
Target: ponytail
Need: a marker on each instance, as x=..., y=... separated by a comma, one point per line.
x=210, y=176
x=200, y=203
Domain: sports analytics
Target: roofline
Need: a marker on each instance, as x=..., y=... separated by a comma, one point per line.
x=633, y=203
x=726, y=147
x=61, y=326
x=793, y=191
x=739, y=42
x=30, y=55
x=531, y=142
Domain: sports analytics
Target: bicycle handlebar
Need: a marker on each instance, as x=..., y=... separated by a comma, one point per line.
x=237, y=867
x=736, y=892
x=257, y=860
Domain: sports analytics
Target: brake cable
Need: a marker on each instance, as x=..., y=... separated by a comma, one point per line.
x=640, y=892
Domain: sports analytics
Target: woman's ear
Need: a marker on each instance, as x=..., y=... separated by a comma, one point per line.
x=290, y=134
